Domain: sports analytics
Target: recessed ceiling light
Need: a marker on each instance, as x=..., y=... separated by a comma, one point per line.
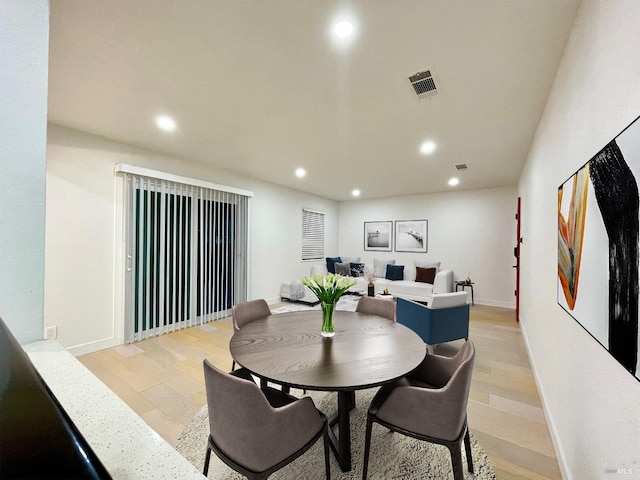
x=300, y=172
x=343, y=29
x=453, y=181
x=165, y=123
x=428, y=147
x=355, y=192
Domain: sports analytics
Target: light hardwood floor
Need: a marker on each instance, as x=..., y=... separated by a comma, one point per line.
x=162, y=380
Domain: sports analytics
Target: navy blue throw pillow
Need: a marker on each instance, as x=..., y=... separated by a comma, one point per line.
x=395, y=272
x=357, y=269
x=331, y=263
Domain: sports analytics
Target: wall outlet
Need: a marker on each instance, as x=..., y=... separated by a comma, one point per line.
x=50, y=333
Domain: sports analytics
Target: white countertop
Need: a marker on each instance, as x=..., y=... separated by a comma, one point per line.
x=125, y=444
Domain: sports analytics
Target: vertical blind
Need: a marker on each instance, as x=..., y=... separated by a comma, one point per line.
x=312, y=235
x=186, y=249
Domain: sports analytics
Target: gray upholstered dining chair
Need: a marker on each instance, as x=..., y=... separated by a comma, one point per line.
x=257, y=432
x=377, y=306
x=429, y=404
x=247, y=312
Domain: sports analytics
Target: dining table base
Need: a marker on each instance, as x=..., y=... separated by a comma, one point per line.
x=341, y=445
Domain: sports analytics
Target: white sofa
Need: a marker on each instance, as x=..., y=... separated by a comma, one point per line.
x=296, y=292
x=406, y=288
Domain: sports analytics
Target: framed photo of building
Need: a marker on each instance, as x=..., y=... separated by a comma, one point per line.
x=411, y=236
x=377, y=236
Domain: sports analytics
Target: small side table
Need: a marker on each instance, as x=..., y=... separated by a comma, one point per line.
x=462, y=285
x=386, y=296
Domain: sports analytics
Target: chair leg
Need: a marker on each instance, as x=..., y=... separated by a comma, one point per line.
x=456, y=460
x=264, y=384
x=367, y=445
x=327, y=462
x=233, y=366
x=207, y=457
x=467, y=448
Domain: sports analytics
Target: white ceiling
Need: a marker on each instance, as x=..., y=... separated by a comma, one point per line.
x=260, y=88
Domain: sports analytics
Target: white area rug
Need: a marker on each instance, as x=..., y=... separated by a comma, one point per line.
x=393, y=456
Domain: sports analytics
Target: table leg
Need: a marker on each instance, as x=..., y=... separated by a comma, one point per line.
x=462, y=287
x=342, y=446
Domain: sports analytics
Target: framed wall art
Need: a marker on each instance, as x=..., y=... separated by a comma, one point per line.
x=598, y=235
x=377, y=236
x=411, y=236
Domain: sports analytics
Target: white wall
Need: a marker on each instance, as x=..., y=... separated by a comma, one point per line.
x=83, y=277
x=84, y=240
x=24, y=56
x=592, y=403
x=471, y=232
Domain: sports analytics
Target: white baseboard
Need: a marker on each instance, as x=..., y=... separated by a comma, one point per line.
x=495, y=303
x=91, y=347
x=553, y=431
x=273, y=300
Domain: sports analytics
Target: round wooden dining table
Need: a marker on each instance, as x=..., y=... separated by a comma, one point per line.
x=366, y=351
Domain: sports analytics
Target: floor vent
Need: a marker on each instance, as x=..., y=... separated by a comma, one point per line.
x=462, y=166
x=424, y=84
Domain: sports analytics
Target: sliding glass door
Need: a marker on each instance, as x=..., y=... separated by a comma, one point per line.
x=186, y=255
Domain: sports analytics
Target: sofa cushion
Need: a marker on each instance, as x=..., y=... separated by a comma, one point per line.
x=296, y=291
x=380, y=267
x=448, y=300
x=408, y=289
x=357, y=269
x=394, y=272
x=342, y=268
x=423, y=264
x=331, y=261
x=349, y=259
x=425, y=275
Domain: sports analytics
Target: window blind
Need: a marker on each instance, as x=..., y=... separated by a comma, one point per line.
x=187, y=248
x=312, y=235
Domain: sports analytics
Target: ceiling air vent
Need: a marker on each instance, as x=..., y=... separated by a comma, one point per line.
x=423, y=84
x=462, y=166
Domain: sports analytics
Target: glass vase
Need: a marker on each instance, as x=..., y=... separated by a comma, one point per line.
x=327, y=318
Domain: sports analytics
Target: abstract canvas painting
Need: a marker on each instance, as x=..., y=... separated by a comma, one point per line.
x=598, y=235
